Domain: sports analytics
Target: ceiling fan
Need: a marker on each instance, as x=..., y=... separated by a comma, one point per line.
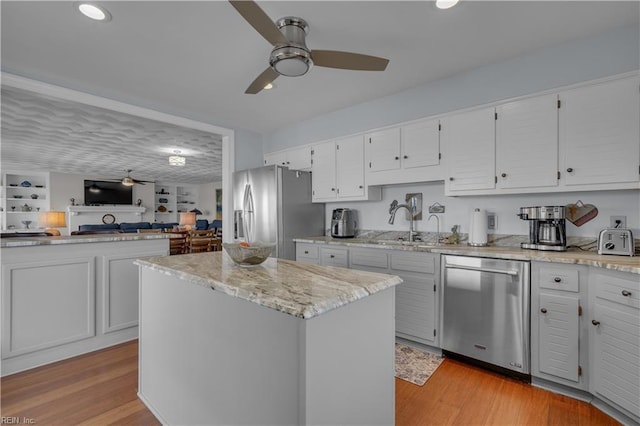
x=129, y=181
x=290, y=55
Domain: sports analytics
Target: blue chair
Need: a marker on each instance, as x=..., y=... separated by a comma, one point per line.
x=202, y=225
x=216, y=225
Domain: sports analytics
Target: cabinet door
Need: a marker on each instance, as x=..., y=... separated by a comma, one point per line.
x=416, y=306
x=471, y=149
x=299, y=158
x=275, y=158
x=334, y=257
x=323, y=181
x=421, y=144
x=600, y=133
x=527, y=143
x=350, y=167
x=383, y=150
x=559, y=331
x=616, y=351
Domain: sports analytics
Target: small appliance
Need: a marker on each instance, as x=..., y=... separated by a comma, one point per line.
x=618, y=241
x=547, y=230
x=343, y=223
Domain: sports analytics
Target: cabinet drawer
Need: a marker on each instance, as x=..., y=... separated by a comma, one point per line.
x=414, y=262
x=369, y=258
x=334, y=257
x=557, y=278
x=306, y=251
x=623, y=288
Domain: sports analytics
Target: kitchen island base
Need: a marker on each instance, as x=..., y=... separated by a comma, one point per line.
x=210, y=358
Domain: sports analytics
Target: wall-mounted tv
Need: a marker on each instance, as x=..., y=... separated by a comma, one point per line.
x=98, y=192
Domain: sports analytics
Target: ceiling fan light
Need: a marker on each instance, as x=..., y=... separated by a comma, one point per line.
x=127, y=181
x=290, y=61
x=177, y=160
x=446, y=4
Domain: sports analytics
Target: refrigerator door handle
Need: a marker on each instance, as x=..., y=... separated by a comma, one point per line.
x=247, y=212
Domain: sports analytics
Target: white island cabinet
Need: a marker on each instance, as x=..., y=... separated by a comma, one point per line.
x=280, y=343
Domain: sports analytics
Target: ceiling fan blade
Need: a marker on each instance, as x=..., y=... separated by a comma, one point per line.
x=348, y=60
x=263, y=79
x=259, y=20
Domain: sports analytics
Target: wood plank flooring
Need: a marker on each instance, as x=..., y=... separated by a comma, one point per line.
x=100, y=389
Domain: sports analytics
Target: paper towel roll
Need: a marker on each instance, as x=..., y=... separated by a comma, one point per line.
x=478, y=228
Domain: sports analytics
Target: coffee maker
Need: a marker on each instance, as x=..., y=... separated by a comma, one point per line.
x=547, y=229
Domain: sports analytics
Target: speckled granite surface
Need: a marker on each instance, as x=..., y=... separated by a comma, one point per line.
x=78, y=239
x=501, y=247
x=297, y=289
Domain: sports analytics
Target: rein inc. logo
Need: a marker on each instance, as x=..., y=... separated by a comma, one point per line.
x=6, y=420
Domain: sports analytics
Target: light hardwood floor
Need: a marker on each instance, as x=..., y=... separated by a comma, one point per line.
x=100, y=389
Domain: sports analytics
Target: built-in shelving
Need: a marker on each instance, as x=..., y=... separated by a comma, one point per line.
x=174, y=199
x=22, y=196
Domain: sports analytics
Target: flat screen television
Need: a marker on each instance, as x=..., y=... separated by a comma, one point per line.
x=98, y=192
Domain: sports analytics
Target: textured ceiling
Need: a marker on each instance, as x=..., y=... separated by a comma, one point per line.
x=43, y=133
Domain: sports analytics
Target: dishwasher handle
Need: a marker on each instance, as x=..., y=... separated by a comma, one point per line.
x=482, y=269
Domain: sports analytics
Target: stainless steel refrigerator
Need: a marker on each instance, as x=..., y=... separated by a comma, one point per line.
x=273, y=204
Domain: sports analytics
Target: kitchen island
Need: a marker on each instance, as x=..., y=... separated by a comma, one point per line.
x=280, y=343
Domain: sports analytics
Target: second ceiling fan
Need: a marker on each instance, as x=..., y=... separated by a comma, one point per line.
x=290, y=56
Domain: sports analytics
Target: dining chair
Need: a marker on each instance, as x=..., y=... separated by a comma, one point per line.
x=200, y=241
x=178, y=242
x=150, y=231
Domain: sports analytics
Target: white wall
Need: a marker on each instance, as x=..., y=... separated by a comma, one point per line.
x=207, y=200
x=375, y=214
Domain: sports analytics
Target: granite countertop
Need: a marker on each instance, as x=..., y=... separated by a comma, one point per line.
x=297, y=289
x=78, y=239
x=572, y=256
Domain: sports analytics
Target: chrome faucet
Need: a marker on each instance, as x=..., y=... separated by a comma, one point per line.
x=394, y=207
x=437, y=227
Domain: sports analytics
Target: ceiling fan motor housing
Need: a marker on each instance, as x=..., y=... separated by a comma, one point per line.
x=293, y=59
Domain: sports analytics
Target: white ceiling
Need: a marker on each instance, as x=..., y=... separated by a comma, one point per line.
x=195, y=59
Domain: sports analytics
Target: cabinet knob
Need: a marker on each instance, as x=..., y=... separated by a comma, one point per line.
x=596, y=323
x=333, y=189
x=405, y=157
x=543, y=310
x=306, y=252
x=557, y=279
x=360, y=186
x=569, y=170
x=331, y=256
x=504, y=175
x=397, y=158
x=626, y=293
x=451, y=179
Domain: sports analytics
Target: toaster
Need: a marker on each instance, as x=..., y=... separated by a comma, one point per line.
x=616, y=241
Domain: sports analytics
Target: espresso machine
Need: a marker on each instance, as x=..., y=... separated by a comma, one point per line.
x=547, y=229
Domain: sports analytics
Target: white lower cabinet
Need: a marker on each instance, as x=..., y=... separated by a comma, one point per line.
x=615, y=339
x=416, y=298
x=559, y=330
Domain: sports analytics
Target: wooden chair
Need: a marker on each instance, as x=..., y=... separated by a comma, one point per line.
x=178, y=242
x=201, y=241
x=150, y=231
x=97, y=232
x=216, y=244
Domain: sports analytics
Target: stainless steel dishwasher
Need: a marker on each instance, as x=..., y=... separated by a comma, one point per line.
x=486, y=311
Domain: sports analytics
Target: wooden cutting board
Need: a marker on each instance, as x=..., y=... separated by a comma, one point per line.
x=580, y=213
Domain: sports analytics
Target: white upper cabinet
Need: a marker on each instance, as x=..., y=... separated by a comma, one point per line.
x=383, y=151
x=350, y=167
x=295, y=158
x=600, y=133
x=405, y=154
x=527, y=143
x=470, y=141
x=323, y=172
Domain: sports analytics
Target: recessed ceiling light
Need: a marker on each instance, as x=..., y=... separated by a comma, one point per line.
x=94, y=11
x=445, y=4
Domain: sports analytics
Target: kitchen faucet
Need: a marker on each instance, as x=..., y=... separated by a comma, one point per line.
x=394, y=207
